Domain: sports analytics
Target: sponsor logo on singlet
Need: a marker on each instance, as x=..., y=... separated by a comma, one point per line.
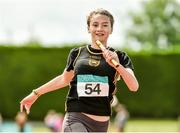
x=94, y=60
x=92, y=86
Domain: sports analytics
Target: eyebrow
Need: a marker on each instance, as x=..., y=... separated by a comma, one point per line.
x=102, y=22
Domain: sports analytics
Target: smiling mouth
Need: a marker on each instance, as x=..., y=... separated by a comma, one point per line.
x=99, y=34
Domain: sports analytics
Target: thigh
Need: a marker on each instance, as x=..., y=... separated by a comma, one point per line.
x=75, y=127
x=71, y=124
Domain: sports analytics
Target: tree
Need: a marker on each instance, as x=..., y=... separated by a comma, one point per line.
x=158, y=24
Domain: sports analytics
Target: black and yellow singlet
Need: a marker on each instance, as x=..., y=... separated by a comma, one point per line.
x=93, y=84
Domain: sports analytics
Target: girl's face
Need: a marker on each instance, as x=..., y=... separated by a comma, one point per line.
x=100, y=28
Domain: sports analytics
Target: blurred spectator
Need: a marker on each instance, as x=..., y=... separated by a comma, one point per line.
x=21, y=119
x=54, y=120
x=122, y=115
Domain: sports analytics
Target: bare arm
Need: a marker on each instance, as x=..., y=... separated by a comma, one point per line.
x=56, y=83
x=129, y=78
x=126, y=73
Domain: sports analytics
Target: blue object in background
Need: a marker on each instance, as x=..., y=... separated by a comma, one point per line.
x=12, y=127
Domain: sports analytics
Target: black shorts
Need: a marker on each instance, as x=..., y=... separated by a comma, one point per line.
x=78, y=122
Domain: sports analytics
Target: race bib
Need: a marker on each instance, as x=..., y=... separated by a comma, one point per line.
x=92, y=86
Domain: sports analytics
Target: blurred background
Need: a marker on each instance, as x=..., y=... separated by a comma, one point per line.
x=37, y=35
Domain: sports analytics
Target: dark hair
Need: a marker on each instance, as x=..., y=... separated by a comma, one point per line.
x=102, y=12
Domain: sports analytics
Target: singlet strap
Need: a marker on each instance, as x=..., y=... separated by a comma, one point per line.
x=77, y=56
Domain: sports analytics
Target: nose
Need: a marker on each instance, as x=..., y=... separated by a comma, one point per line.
x=99, y=28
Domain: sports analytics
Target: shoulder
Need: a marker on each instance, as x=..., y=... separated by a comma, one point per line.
x=76, y=49
x=120, y=53
x=123, y=56
x=75, y=52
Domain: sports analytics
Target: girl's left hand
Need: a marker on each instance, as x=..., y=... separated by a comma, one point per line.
x=109, y=55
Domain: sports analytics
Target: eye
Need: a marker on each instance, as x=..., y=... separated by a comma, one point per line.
x=105, y=25
x=95, y=25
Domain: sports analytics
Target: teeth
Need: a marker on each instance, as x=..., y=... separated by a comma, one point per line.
x=100, y=34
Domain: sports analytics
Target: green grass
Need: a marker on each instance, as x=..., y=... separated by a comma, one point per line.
x=133, y=125
x=144, y=125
